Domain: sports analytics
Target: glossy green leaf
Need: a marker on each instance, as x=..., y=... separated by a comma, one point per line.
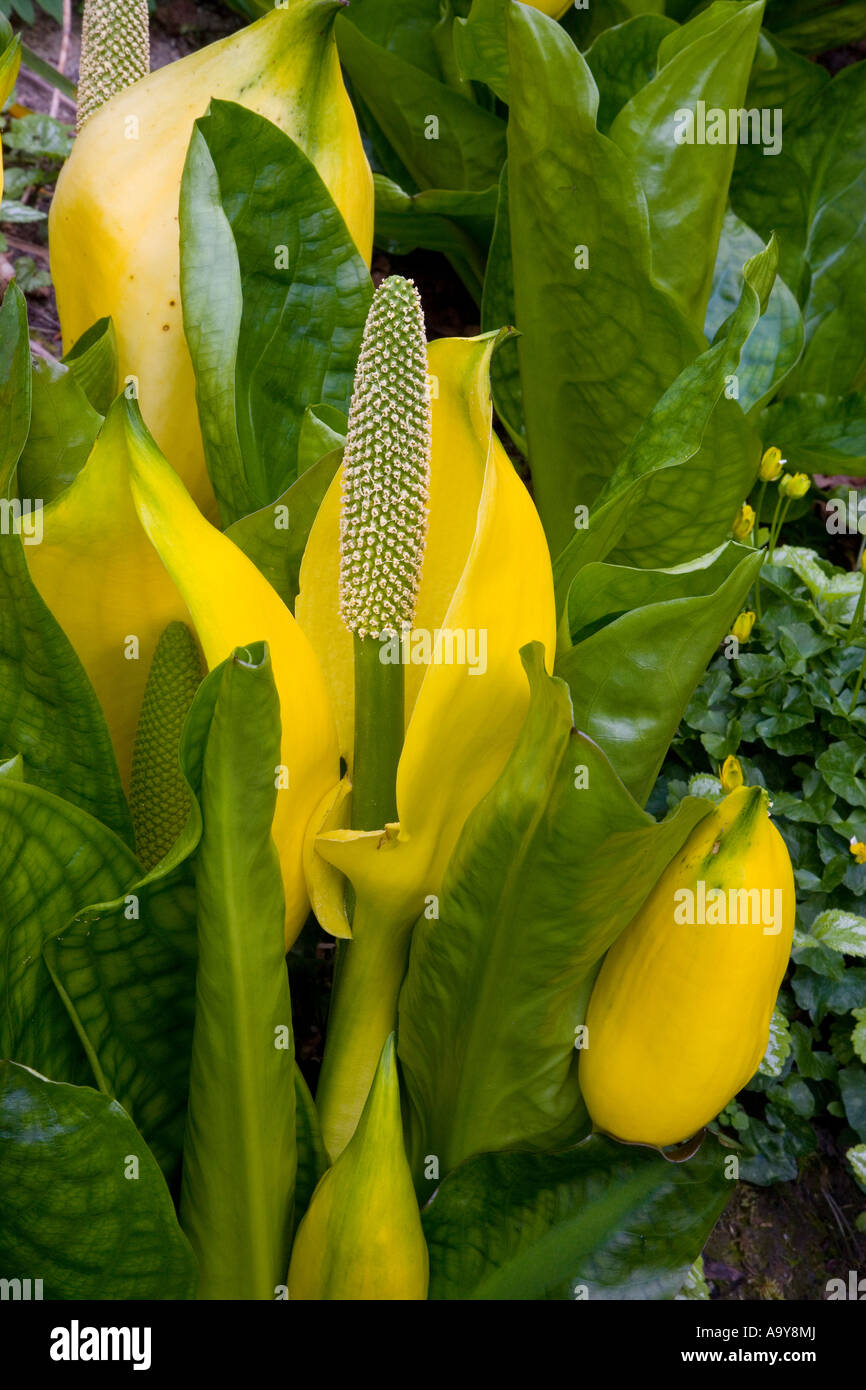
x=821, y=26
x=551, y=866
x=820, y=434
x=623, y=60
x=126, y=972
x=48, y=711
x=813, y=194
x=240, y=1157
x=642, y=640
x=14, y=385
x=497, y=311
x=275, y=296
x=641, y=519
x=457, y=222
x=686, y=183
x=774, y=346
x=275, y=537
x=63, y=429
x=83, y=1206
x=599, y=345
x=481, y=45
x=55, y=860
x=323, y=429
x=312, y=1155
x=603, y=1221
x=93, y=362
x=466, y=147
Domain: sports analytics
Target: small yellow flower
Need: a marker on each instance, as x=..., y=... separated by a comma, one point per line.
x=731, y=774
x=744, y=523
x=743, y=625
x=771, y=465
x=858, y=849
x=795, y=485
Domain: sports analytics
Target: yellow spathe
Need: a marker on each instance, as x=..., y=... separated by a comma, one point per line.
x=113, y=229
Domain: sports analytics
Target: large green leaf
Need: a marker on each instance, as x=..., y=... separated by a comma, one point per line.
x=63, y=428
x=93, y=361
x=817, y=25
x=550, y=868
x=814, y=195
x=642, y=640
x=441, y=136
x=775, y=344
x=457, y=222
x=603, y=1221
x=643, y=519
x=497, y=312
x=240, y=1157
x=15, y=391
x=598, y=345
x=623, y=60
x=48, y=710
x=820, y=434
x=686, y=184
x=83, y=1205
x=54, y=860
x=275, y=296
x=275, y=537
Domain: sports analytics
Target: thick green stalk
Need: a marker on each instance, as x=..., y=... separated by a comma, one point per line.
x=378, y=735
x=362, y=1014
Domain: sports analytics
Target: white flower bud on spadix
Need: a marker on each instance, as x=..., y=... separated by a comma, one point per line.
x=386, y=467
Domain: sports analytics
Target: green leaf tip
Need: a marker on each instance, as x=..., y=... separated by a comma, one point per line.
x=386, y=467
x=115, y=52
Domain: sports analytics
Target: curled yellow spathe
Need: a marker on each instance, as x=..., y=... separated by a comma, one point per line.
x=113, y=228
x=10, y=61
x=486, y=590
x=143, y=555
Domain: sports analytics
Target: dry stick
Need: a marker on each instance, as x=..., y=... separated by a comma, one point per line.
x=64, y=54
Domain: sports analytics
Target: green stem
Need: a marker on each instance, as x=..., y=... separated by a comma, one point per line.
x=371, y=966
x=362, y=1015
x=857, y=686
x=378, y=735
x=755, y=541
x=774, y=537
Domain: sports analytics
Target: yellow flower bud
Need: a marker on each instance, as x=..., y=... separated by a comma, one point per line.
x=744, y=523
x=858, y=849
x=730, y=772
x=771, y=465
x=863, y=561
x=795, y=484
x=743, y=625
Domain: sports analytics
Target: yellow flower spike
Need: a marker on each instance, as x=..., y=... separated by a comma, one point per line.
x=795, y=485
x=494, y=596
x=858, y=849
x=143, y=555
x=771, y=465
x=461, y=721
x=731, y=774
x=742, y=628
x=361, y=1238
x=113, y=230
x=10, y=60
x=744, y=524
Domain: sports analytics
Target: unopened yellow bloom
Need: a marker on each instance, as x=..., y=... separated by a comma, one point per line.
x=731, y=774
x=744, y=524
x=771, y=465
x=858, y=849
x=795, y=485
x=742, y=628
